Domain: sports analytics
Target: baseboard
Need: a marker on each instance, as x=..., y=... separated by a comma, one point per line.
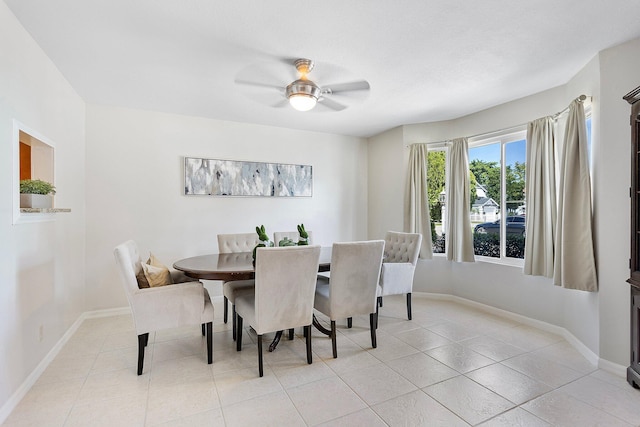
x=107, y=312
x=582, y=349
x=613, y=368
x=585, y=351
x=26, y=385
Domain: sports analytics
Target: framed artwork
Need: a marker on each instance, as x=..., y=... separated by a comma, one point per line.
x=239, y=178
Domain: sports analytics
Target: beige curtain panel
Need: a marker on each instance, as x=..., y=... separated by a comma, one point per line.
x=574, y=263
x=459, y=238
x=541, y=198
x=417, y=218
x=559, y=242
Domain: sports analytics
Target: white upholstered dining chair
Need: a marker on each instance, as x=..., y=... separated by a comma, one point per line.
x=162, y=307
x=234, y=243
x=352, y=288
x=401, y=256
x=283, y=295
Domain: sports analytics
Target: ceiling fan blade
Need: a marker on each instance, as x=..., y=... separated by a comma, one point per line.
x=346, y=87
x=256, y=84
x=282, y=103
x=330, y=103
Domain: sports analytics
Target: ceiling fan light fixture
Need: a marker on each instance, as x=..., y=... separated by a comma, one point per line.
x=302, y=102
x=303, y=94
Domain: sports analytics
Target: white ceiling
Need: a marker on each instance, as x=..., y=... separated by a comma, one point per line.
x=426, y=60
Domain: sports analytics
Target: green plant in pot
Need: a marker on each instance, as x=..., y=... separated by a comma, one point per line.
x=35, y=193
x=286, y=242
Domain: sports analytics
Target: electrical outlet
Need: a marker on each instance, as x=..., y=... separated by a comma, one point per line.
x=41, y=333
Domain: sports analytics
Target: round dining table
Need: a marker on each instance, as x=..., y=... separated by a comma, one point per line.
x=239, y=266
x=232, y=266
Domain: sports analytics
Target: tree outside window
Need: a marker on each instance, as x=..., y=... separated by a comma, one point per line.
x=436, y=164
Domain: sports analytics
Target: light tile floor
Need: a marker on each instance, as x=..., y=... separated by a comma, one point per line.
x=452, y=365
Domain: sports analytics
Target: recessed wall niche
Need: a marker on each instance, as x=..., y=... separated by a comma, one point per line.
x=34, y=158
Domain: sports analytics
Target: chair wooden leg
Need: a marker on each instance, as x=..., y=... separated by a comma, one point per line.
x=334, y=345
x=203, y=330
x=409, y=305
x=238, y=332
x=209, y=342
x=234, y=320
x=226, y=309
x=372, y=326
x=260, y=355
x=291, y=334
x=380, y=301
x=141, y=345
x=349, y=322
x=146, y=339
x=307, y=332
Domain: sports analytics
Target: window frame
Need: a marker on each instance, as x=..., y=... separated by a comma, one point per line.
x=503, y=138
x=444, y=147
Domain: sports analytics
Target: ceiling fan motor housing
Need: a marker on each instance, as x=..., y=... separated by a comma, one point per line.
x=303, y=87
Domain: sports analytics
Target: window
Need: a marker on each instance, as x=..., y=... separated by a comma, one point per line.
x=497, y=172
x=436, y=163
x=497, y=167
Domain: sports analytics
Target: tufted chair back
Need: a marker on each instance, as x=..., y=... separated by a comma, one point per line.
x=401, y=256
x=402, y=247
x=232, y=243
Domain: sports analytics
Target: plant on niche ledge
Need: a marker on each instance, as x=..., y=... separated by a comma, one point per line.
x=36, y=186
x=35, y=193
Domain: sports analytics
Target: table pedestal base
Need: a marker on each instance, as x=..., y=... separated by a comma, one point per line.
x=278, y=336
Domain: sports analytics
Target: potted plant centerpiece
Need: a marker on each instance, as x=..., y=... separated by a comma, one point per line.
x=35, y=193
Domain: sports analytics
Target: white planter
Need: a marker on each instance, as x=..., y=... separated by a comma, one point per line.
x=42, y=201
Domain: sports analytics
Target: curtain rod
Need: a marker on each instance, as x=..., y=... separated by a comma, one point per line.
x=581, y=98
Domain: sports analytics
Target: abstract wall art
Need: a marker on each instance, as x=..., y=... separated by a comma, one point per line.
x=239, y=178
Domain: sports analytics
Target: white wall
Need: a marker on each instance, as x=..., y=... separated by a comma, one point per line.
x=135, y=188
x=41, y=264
x=619, y=69
x=386, y=184
x=501, y=286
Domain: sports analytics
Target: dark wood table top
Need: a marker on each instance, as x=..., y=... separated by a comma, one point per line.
x=231, y=266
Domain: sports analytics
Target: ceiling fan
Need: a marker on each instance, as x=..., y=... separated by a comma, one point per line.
x=303, y=94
